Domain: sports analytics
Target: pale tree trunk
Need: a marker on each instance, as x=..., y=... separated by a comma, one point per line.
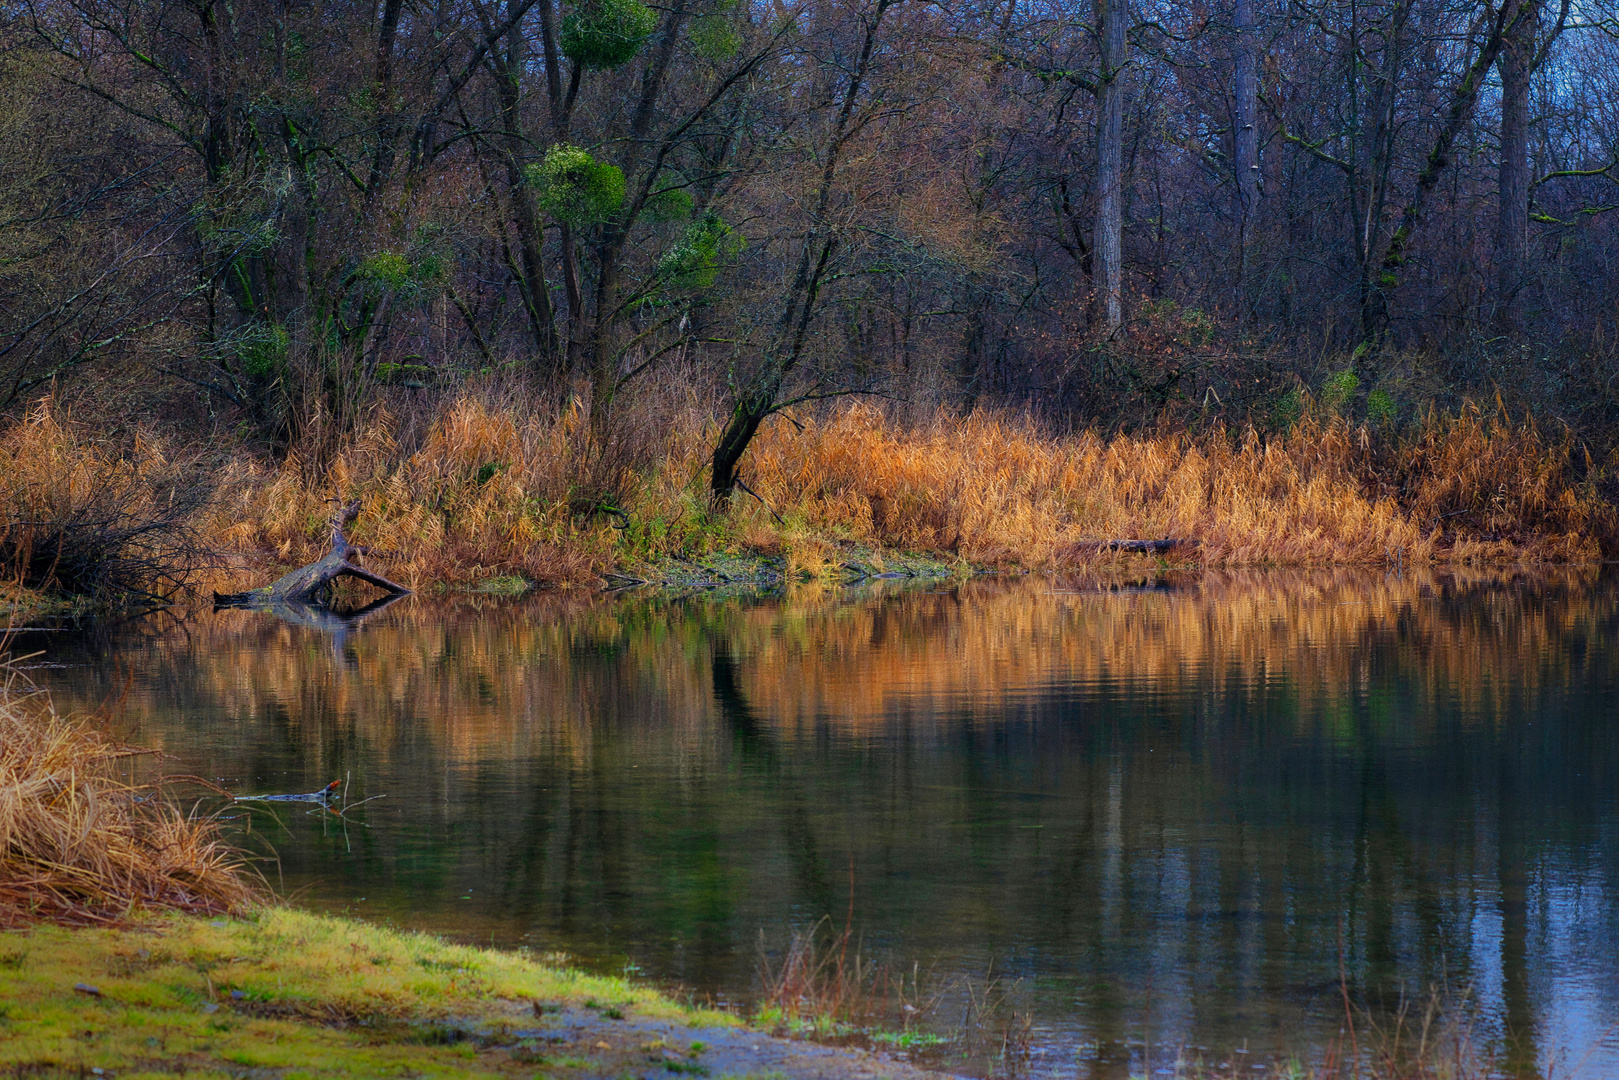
x=1112, y=23
x=1512, y=217
x=1245, y=147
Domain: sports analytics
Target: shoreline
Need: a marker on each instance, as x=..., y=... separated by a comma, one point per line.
x=283, y=993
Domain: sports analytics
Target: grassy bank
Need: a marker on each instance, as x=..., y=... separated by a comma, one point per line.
x=305, y=995
x=482, y=488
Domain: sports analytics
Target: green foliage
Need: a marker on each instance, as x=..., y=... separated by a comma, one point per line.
x=1339, y=389
x=694, y=262
x=574, y=188
x=606, y=33
x=1191, y=327
x=713, y=37
x=671, y=204
x=264, y=353
x=1288, y=409
x=908, y=1040
x=1380, y=407
x=387, y=269
x=429, y=255
x=405, y=374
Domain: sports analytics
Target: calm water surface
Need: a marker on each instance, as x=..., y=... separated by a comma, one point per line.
x=1167, y=819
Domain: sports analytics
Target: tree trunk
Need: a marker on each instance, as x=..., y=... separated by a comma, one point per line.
x=1112, y=23
x=1512, y=214
x=1462, y=99
x=536, y=293
x=1245, y=148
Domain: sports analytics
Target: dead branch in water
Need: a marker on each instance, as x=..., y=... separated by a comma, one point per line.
x=312, y=584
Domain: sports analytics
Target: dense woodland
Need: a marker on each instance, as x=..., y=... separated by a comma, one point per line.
x=265, y=217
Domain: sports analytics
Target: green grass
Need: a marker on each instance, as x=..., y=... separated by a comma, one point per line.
x=283, y=990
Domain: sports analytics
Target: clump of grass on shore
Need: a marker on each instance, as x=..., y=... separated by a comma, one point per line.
x=78, y=845
x=83, y=519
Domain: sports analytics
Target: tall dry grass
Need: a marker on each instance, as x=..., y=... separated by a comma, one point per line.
x=995, y=490
x=482, y=486
x=78, y=844
x=84, y=518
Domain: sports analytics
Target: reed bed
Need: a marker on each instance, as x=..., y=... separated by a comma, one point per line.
x=83, y=518
x=994, y=490
x=483, y=486
x=78, y=844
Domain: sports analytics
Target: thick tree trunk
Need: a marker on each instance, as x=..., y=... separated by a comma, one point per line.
x=1512, y=216
x=733, y=443
x=310, y=584
x=1112, y=23
x=1245, y=147
x=536, y=293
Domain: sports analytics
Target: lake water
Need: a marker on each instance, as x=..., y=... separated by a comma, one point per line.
x=1166, y=822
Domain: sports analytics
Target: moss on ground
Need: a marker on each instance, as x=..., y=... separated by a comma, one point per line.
x=288, y=994
x=829, y=562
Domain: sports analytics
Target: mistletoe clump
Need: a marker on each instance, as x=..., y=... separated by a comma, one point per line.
x=576, y=189
x=606, y=33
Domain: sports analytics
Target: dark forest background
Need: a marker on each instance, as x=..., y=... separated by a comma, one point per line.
x=263, y=217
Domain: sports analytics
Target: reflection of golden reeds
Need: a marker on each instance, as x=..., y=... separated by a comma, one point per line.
x=490, y=679
x=78, y=845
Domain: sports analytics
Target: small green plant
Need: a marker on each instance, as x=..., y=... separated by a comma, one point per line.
x=908, y=1040
x=574, y=188
x=1339, y=389
x=1380, y=407
x=386, y=269
x=1288, y=410
x=263, y=353
x=606, y=33
x=670, y=204
x=694, y=262
x=714, y=38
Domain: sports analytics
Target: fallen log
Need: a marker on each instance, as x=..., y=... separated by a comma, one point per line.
x=1140, y=547
x=311, y=584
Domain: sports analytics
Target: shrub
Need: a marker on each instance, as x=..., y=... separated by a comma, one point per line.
x=694, y=262
x=78, y=845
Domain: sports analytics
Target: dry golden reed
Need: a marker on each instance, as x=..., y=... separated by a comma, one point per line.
x=996, y=491
x=78, y=844
x=87, y=519
x=484, y=487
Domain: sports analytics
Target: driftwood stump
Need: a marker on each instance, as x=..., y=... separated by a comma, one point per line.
x=311, y=584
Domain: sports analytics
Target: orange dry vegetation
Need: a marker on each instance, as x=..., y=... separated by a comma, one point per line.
x=480, y=488
x=79, y=845
x=994, y=490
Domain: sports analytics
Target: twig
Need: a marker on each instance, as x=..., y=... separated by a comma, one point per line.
x=762, y=503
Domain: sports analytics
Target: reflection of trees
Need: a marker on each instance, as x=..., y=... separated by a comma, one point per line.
x=755, y=749
x=1190, y=796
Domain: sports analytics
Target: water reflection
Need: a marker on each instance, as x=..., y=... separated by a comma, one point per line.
x=1176, y=815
